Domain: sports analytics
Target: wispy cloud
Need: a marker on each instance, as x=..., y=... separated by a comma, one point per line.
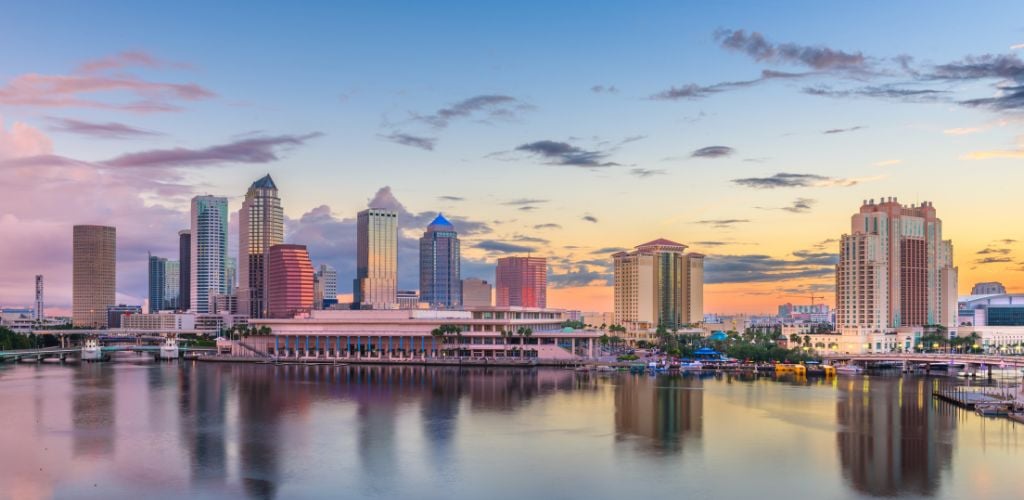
x=962, y=130
x=485, y=107
x=604, y=89
x=693, y=91
x=997, y=153
x=590, y=218
x=763, y=268
x=646, y=172
x=760, y=49
x=721, y=223
x=524, y=201
x=842, y=130
x=451, y=198
x=563, y=153
x=504, y=247
x=789, y=180
x=80, y=89
x=425, y=143
x=263, y=149
x=109, y=130
x=549, y=225
x=712, y=152
x=887, y=163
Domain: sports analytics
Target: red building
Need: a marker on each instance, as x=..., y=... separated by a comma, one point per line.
x=289, y=281
x=521, y=281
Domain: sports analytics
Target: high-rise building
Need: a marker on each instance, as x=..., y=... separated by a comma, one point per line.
x=476, y=293
x=209, y=250
x=895, y=270
x=409, y=299
x=658, y=283
x=157, y=283
x=172, y=285
x=376, y=282
x=185, y=269
x=94, y=275
x=440, y=281
x=328, y=279
x=289, y=281
x=40, y=311
x=231, y=275
x=988, y=288
x=521, y=281
x=260, y=226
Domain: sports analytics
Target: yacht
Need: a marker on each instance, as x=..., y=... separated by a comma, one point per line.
x=849, y=369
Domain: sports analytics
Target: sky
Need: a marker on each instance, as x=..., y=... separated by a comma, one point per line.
x=749, y=131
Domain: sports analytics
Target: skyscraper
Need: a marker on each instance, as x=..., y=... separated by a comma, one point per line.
x=476, y=293
x=440, y=282
x=376, y=282
x=94, y=274
x=895, y=270
x=40, y=312
x=157, y=283
x=658, y=284
x=209, y=250
x=289, y=288
x=328, y=279
x=172, y=284
x=521, y=281
x=184, y=269
x=260, y=226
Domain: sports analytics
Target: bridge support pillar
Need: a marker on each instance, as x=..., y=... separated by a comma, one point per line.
x=990, y=372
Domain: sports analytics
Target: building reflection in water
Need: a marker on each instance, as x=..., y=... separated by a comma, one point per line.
x=893, y=438
x=92, y=412
x=201, y=401
x=665, y=412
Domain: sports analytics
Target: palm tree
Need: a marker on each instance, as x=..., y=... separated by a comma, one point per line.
x=438, y=333
x=794, y=339
x=523, y=333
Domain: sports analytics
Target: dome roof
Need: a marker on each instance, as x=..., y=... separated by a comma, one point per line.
x=440, y=222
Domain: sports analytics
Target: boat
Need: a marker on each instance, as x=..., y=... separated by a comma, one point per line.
x=992, y=409
x=169, y=349
x=691, y=366
x=91, y=351
x=849, y=369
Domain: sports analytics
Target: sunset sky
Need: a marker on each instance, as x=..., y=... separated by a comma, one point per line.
x=749, y=131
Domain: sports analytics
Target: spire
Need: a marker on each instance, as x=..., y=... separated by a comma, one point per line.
x=264, y=182
x=440, y=222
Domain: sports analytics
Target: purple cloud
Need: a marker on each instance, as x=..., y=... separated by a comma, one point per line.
x=252, y=150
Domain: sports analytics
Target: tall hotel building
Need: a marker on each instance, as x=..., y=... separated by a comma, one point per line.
x=521, y=281
x=895, y=272
x=260, y=226
x=289, y=289
x=164, y=281
x=440, y=281
x=658, y=283
x=184, y=269
x=94, y=274
x=209, y=251
x=376, y=282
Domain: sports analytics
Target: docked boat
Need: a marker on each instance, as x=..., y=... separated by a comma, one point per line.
x=169, y=349
x=850, y=369
x=992, y=409
x=691, y=366
x=91, y=351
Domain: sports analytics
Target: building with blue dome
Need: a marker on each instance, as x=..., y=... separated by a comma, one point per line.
x=440, y=265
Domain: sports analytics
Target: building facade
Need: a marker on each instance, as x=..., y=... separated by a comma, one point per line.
x=208, y=253
x=94, y=274
x=290, y=281
x=895, y=271
x=658, y=283
x=260, y=226
x=376, y=282
x=116, y=314
x=440, y=265
x=157, y=282
x=184, y=269
x=521, y=282
x=476, y=293
x=410, y=299
x=40, y=309
x=327, y=279
x=988, y=288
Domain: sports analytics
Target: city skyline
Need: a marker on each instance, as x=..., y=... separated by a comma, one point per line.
x=748, y=137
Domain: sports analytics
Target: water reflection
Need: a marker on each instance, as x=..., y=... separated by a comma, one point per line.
x=225, y=430
x=893, y=437
x=665, y=412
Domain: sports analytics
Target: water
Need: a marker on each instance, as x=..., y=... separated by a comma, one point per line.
x=134, y=430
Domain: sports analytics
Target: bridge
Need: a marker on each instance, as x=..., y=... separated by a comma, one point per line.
x=971, y=362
